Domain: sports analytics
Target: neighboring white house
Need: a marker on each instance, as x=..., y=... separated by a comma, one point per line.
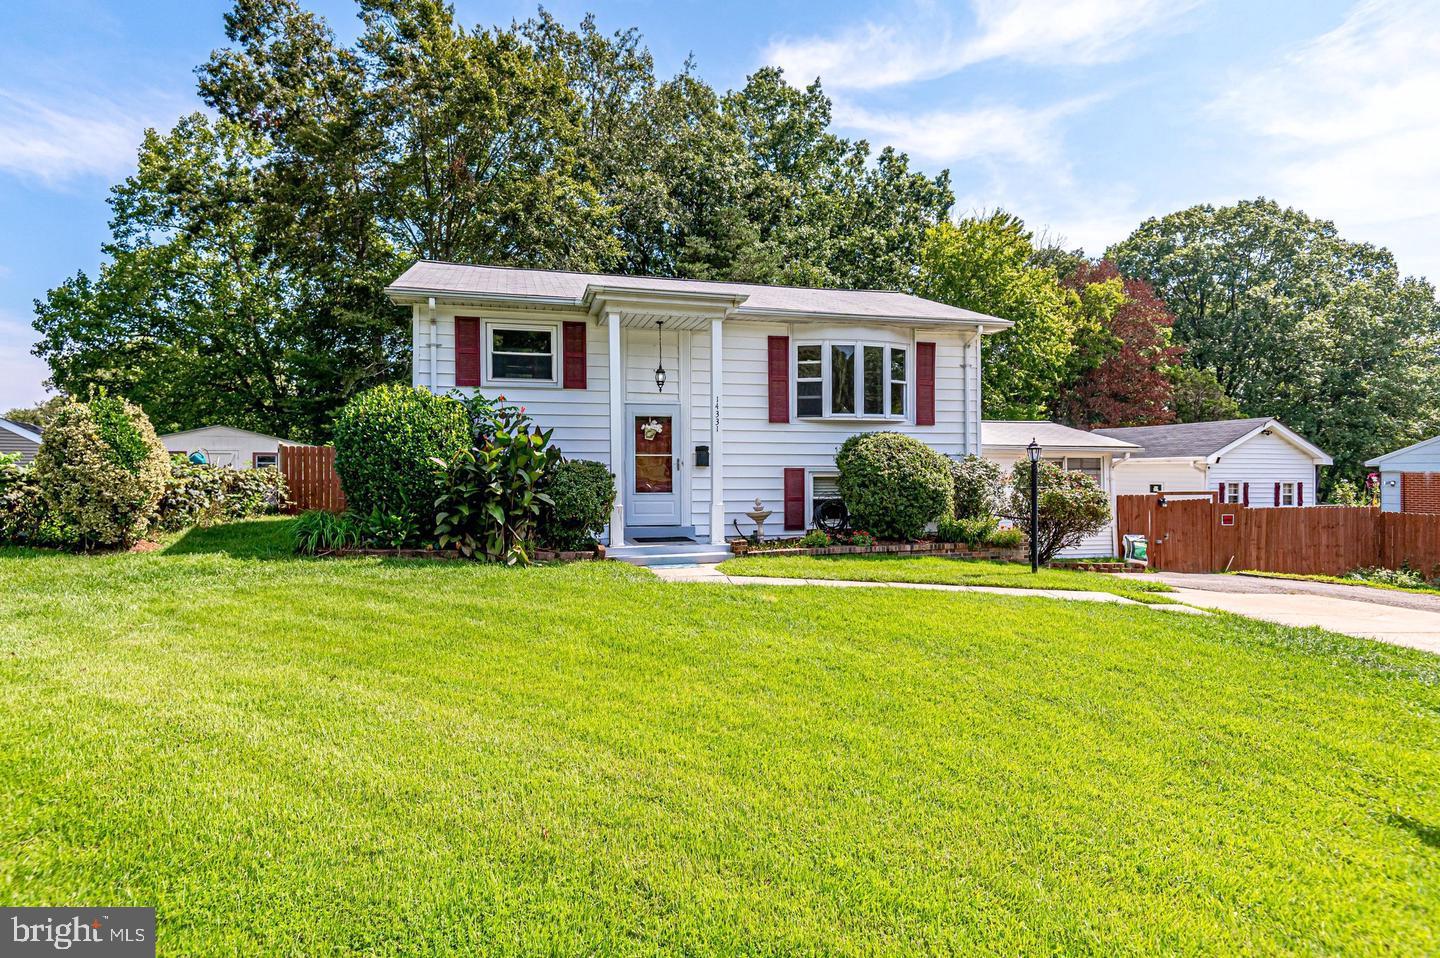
x=1257, y=462
x=1410, y=478
x=1071, y=449
x=760, y=384
x=227, y=446
x=21, y=438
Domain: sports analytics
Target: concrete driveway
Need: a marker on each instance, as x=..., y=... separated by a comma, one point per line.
x=1400, y=618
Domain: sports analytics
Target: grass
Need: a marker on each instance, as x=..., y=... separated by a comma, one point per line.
x=942, y=571
x=312, y=757
x=1341, y=580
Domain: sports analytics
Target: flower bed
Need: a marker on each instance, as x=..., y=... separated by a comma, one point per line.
x=956, y=550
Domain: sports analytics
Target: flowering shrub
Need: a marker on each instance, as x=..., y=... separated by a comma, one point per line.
x=815, y=539
x=1072, y=506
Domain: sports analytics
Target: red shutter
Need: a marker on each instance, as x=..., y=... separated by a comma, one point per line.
x=1245, y=492
x=1300, y=494
x=780, y=385
x=574, y=337
x=1277, y=493
x=794, y=497
x=924, y=384
x=467, y=351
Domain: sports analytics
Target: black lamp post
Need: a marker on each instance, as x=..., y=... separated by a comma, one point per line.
x=1034, y=450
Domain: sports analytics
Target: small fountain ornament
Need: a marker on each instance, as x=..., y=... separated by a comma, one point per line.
x=758, y=515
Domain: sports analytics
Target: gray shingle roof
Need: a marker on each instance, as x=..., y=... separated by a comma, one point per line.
x=1184, y=439
x=428, y=277
x=1017, y=433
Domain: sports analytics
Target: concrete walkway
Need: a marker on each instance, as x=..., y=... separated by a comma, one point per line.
x=710, y=573
x=1399, y=618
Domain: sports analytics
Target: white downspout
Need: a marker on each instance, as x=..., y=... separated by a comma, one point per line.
x=434, y=349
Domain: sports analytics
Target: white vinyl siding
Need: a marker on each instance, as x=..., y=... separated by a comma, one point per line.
x=756, y=451
x=1263, y=461
x=222, y=445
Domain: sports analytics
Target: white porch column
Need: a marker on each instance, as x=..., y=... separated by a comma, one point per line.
x=979, y=414
x=717, y=436
x=617, y=430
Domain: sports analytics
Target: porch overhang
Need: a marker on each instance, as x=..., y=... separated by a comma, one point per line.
x=643, y=308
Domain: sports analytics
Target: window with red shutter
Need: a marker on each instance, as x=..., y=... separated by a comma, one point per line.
x=467, y=351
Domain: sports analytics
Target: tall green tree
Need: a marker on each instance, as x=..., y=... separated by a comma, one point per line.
x=1296, y=322
x=985, y=264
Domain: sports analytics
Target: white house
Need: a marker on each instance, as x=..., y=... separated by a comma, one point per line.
x=700, y=396
x=1256, y=462
x=1410, y=478
x=21, y=438
x=1073, y=450
x=226, y=446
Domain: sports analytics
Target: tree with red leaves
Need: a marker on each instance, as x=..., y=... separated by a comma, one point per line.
x=1121, y=367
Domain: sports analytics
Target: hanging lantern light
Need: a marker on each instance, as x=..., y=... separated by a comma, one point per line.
x=660, y=352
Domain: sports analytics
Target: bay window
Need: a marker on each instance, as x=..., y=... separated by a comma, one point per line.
x=851, y=379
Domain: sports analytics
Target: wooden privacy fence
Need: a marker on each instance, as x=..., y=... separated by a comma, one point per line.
x=310, y=473
x=1194, y=533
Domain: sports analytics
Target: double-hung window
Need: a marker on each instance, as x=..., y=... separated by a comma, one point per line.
x=520, y=353
x=1287, y=493
x=851, y=379
x=1230, y=492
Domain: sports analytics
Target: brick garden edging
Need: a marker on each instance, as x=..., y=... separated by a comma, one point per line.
x=541, y=555
x=954, y=550
x=1089, y=566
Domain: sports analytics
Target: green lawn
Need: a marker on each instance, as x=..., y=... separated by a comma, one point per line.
x=941, y=571
x=309, y=757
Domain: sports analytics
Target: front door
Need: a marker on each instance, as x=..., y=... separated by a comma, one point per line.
x=652, y=495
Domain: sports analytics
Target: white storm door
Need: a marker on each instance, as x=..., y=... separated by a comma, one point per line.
x=652, y=494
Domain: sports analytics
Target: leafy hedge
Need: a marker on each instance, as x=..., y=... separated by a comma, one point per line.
x=198, y=494
x=893, y=485
x=25, y=519
x=386, y=439
x=101, y=471
x=582, y=494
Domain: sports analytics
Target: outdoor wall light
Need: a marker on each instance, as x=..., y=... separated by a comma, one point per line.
x=660, y=352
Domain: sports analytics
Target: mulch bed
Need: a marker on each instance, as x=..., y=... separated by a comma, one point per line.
x=954, y=550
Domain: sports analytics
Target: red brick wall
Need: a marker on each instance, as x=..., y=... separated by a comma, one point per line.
x=1420, y=492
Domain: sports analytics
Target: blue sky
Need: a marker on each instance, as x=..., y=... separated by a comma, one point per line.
x=1082, y=116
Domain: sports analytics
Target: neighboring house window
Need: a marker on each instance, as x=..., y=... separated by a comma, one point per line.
x=1156, y=486
x=1287, y=493
x=1230, y=492
x=1089, y=466
x=265, y=460
x=520, y=353
x=851, y=380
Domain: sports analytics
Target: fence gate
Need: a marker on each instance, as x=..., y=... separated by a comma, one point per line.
x=1181, y=532
x=310, y=474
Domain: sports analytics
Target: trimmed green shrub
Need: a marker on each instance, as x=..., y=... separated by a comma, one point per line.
x=977, y=487
x=385, y=441
x=1072, y=506
x=972, y=532
x=102, y=471
x=582, y=494
x=893, y=485
x=815, y=539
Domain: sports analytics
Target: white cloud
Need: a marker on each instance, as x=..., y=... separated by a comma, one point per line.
x=58, y=137
x=996, y=132
x=1348, y=127
x=924, y=43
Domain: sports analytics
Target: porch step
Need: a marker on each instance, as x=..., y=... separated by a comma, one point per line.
x=670, y=553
